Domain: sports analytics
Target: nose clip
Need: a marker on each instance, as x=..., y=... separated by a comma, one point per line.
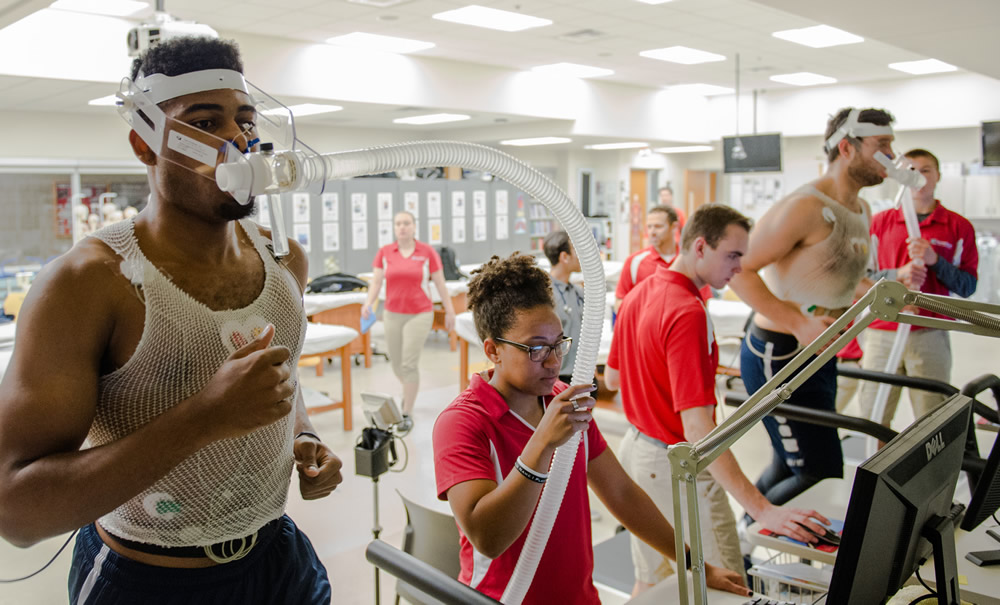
x=250, y=145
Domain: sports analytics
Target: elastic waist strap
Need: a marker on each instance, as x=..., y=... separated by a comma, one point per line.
x=196, y=552
x=781, y=340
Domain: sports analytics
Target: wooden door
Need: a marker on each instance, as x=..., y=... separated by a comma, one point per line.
x=699, y=187
x=637, y=210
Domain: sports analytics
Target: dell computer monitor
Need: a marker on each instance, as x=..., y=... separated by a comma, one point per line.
x=986, y=494
x=899, y=494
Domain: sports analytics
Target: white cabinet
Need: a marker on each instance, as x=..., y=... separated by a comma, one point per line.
x=982, y=196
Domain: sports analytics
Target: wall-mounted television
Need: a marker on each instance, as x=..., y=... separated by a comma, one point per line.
x=991, y=143
x=762, y=151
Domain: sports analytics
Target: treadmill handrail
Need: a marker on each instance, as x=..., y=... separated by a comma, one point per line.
x=422, y=576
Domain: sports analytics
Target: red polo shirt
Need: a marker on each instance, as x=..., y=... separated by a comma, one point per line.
x=478, y=437
x=407, y=278
x=950, y=234
x=638, y=267
x=664, y=347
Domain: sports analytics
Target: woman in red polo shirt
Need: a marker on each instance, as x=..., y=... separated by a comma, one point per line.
x=408, y=266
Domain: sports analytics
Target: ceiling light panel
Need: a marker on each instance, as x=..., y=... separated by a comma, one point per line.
x=572, y=70
x=919, y=68
x=376, y=42
x=682, y=54
x=433, y=118
x=108, y=101
x=803, y=78
x=818, y=36
x=492, y=18
x=684, y=149
x=655, y=1
x=610, y=146
x=536, y=141
x=110, y=8
x=705, y=90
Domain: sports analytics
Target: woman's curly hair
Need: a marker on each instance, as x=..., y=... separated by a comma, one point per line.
x=502, y=287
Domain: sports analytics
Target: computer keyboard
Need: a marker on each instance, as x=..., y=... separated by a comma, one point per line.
x=766, y=601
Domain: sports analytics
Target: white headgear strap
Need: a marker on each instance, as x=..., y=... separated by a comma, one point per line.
x=159, y=87
x=855, y=129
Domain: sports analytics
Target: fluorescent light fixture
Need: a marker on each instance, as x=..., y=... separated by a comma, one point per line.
x=655, y=1
x=108, y=101
x=682, y=54
x=492, y=18
x=684, y=149
x=803, y=78
x=389, y=44
x=536, y=141
x=705, y=90
x=433, y=118
x=818, y=36
x=572, y=70
x=305, y=109
x=607, y=146
x=110, y=8
x=927, y=66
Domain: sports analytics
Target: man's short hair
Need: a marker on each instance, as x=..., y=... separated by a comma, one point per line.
x=500, y=288
x=879, y=117
x=186, y=54
x=670, y=212
x=923, y=153
x=710, y=221
x=555, y=244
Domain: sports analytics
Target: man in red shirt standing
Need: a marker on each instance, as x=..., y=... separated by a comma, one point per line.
x=664, y=355
x=660, y=224
x=947, y=247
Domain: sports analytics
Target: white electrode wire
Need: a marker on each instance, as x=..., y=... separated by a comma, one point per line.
x=308, y=169
x=904, y=200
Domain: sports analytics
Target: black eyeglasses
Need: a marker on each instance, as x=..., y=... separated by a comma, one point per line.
x=540, y=353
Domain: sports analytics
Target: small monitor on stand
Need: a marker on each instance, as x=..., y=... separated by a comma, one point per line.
x=901, y=511
x=984, y=502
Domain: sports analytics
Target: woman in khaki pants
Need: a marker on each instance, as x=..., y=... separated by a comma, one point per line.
x=408, y=266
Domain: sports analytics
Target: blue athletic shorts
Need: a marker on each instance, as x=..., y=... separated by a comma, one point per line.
x=281, y=568
x=806, y=448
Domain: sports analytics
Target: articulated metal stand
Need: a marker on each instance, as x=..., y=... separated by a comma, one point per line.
x=885, y=300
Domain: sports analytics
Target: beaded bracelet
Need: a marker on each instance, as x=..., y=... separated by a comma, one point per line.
x=529, y=473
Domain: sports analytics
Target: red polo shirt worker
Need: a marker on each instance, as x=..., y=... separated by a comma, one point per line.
x=408, y=266
x=947, y=247
x=493, y=446
x=664, y=356
x=660, y=224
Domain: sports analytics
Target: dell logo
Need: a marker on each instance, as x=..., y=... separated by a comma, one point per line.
x=934, y=446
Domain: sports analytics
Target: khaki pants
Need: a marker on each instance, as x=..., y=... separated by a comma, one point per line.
x=405, y=335
x=927, y=355
x=649, y=467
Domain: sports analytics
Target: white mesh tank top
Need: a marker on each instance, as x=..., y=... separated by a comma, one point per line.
x=827, y=272
x=232, y=487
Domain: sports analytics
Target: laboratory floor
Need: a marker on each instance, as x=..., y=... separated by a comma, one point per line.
x=340, y=525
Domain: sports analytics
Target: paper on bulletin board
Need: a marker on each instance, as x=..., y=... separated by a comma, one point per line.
x=411, y=203
x=479, y=203
x=331, y=207
x=501, y=202
x=300, y=207
x=359, y=209
x=479, y=228
x=384, y=233
x=385, y=206
x=458, y=203
x=359, y=236
x=434, y=231
x=458, y=230
x=502, y=232
x=301, y=232
x=263, y=211
x=331, y=237
x=433, y=204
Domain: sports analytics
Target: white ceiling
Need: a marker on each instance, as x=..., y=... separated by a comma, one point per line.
x=895, y=30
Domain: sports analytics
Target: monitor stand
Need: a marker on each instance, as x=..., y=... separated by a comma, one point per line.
x=940, y=532
x=983, y=558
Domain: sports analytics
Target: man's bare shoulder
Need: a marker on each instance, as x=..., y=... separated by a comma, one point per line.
x=90, y=273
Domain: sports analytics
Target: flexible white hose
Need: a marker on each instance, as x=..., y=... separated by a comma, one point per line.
x=301, y=170
x=905, y=201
